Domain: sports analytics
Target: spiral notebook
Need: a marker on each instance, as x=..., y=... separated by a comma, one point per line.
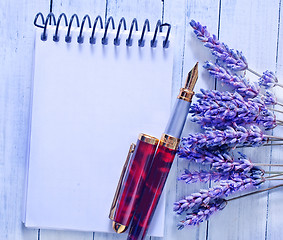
x=95, y=88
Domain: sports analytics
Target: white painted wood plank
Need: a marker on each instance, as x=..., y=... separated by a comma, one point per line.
x=275, y=207
x=188, y=50
x=114, y=236
x=16, y=41
x=130, y=9
x=246, y=19
x=175, y=14
x=65, y=235
x=250, y=26
x=92, y=8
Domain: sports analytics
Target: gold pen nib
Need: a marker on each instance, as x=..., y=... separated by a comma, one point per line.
x=187, y=93
x=192, y=78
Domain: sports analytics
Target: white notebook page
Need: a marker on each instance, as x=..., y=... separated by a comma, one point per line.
x=90, y=102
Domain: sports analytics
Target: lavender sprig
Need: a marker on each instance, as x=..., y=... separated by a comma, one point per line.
x=268, y=80
x=216, y=95
x=220, y=161
x=204, y=176
x=226, y=187
x=269, y=99
x=216, y=176
x=228, y=138
x=233, y=58
x=221, y=109
x=239, y=83
x=202, y=213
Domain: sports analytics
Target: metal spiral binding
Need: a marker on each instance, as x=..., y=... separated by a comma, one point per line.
x=141, y=40
x=129, y=40
x=80, y=37
x=56, y=37
x=104, y=40
x=50, y=19
x=116, y=39
x=68, y=37
x=92, y=39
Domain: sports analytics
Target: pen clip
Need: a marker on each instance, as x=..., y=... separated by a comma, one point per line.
x=118, y=189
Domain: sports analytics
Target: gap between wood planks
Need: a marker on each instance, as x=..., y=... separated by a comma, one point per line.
x=215, y=86
x=270, y=155
x=51, y=5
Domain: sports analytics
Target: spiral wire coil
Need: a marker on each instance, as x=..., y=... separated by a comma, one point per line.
x=51, y=19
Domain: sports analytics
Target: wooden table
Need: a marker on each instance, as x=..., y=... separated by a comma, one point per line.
x=251, y=26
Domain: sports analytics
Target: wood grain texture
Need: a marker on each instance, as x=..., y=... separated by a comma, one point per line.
x=252, y=28
x=274, y=198
x=62, y=235
x=16, y=59
x=81, y=8
x=130, y=9
x=188, y=50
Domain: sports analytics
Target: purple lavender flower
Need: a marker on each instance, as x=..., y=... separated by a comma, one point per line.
x=269, y=98
x=216, y=95
x=202, y=213
x=239, y=167
x=239, y=83
x=267, y=119
x=203, y=34
x=226, y=187
x=228, y=138
x=220, y=161
x=256, y=173
x=195, y=199
x=233, y=58
x=203, y=176
x=222, y=109
x=268, y=80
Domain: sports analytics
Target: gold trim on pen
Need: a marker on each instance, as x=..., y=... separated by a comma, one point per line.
x=119, y=228
x=148, y=139
x=186, y=94
x=169, y=141
x=118, y=189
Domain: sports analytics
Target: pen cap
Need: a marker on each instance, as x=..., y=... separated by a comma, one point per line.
x=154, y=185
x=131, y=182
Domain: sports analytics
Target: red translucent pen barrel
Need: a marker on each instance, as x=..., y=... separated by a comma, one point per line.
x=133, y=181
x=154, y=185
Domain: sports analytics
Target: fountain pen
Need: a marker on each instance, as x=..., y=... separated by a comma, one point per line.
x=163, y=160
